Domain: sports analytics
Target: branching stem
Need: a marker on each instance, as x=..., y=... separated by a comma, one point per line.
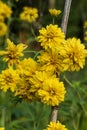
x=54, y=110
x=66, y=15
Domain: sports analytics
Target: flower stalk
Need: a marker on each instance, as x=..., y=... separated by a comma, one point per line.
x=3, y=112
x=3, y=117
x=54, y=109
x=66, y=15
x=51, y=3
x=54, y=113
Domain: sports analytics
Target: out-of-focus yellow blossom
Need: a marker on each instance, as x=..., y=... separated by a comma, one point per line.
x=85, y=24
x=13, y=52
x=2, y=128
x=56, y=126
x=16, y=0
x=85, y=32
x=3, y=29
x=5, y=10
x=51, y=36
x=29, y=14
x=54, y=12
x=74, y=54
x=51, y=61
x=85, y=38
x=1, y=18
x=52, y=93
x=9, y=79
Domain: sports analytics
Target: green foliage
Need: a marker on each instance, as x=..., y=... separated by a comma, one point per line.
x=74, y=109
x=27, y=116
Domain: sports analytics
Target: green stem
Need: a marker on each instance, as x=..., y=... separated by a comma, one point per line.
x=32, y=30
x=65, y=78
x=3, y=118
x=74, y=125
x=36, y=55
x=2, y=123
x=31, y=51
x=35, y=127
x=77, y=91
x=53, y=20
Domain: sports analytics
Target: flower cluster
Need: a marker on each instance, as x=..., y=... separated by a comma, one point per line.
x=29, y=14
x=60, y=54
x=28, y=80
x=5, y=12
x=38, y=80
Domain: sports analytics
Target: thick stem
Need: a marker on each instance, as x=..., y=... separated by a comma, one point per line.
x=66, y=15
x=51, y=3
x=54, y=110
x=54, y=113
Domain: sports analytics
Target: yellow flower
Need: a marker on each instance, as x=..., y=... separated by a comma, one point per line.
x=5, y=10
x=73, y=54
x=56, y=126
x=8, y=79
x=51, y=36
x=29, y=14
x=27, y=67
x=23, y=89
x=3, y=29
x=38, y=79
x=29, y=85
x=54, y=12
x=50, y=61
x=52, y=93
x=13, y=52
